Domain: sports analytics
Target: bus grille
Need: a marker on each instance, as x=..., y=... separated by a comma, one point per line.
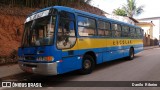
x=30, y=58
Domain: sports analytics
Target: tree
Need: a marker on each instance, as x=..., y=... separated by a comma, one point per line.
x=88, y=1
x=120, y=12
x=132, y=9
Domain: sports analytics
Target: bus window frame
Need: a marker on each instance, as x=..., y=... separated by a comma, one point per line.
x=95, y=29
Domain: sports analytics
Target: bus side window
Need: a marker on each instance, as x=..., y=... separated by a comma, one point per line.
x=138, y=33
x=101, y=28
x=116, y=30
x=104, y=28
x=142, y=33
x=66, y=37
x=108, y=31
x=125, y=31
x=86, y=26
x=132, y=32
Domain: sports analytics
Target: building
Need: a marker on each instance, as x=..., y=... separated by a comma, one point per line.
x=156, y=27
x=148, y=39
x=147, y=27
x=151, y=31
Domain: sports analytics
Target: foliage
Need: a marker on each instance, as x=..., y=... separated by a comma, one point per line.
x=88, y=1
x=120, y=12
x=132, y=9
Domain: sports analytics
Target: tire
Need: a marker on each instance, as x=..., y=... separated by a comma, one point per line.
x=88, y=65
x=131, y=54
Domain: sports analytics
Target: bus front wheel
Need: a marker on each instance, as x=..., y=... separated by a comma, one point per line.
x=88, y=64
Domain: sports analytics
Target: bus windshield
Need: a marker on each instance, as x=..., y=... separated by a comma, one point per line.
x=39, y=32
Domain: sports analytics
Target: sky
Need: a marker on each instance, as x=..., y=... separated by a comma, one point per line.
x=151, y=7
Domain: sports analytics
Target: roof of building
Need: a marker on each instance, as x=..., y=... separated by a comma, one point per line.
x=149, y=18
x=133, y=19
x=145, y=23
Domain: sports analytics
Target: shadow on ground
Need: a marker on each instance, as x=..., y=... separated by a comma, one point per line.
x=60, y=79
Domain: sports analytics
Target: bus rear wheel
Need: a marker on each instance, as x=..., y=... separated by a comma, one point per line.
x=131, y=54
x=88, y=64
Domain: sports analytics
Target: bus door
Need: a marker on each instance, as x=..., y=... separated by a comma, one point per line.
x=66, y=41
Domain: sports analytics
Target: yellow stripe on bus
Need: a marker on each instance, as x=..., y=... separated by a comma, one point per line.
x=87, y=43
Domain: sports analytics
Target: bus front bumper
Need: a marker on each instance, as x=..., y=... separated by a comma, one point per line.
x=39, y=68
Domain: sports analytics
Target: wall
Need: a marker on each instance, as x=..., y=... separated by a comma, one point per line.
x=156, y=28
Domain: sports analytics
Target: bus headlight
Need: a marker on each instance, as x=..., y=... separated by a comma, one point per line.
x=47, y=58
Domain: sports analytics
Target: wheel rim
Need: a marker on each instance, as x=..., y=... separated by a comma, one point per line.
x=87, y=64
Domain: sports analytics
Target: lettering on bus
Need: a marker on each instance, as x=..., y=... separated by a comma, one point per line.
x=121, y=42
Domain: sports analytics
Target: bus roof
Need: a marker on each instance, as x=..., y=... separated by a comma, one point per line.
x=72, y=10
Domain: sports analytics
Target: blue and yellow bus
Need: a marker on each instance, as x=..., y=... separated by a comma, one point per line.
x=60, y=39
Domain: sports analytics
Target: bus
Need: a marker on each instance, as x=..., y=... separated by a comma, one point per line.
x=60, y=39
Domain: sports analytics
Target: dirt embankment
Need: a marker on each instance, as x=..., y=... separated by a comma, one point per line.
x=10, y=20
